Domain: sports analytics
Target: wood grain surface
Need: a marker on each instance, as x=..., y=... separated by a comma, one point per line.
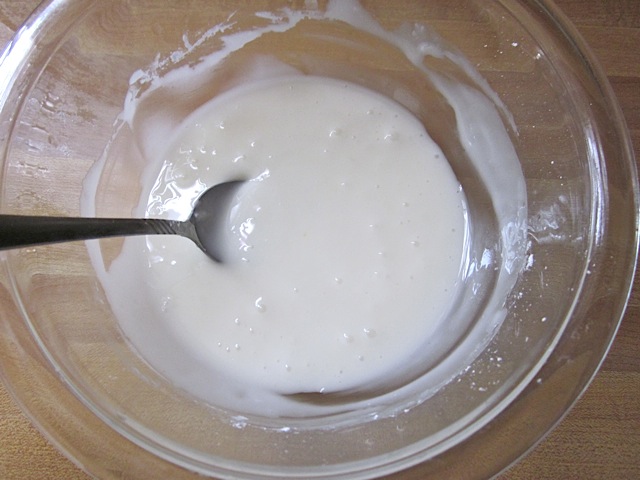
x=600, y=438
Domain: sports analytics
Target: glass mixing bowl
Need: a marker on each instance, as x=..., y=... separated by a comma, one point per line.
x=65, y=79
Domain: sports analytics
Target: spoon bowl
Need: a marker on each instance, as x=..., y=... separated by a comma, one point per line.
x=204, y=226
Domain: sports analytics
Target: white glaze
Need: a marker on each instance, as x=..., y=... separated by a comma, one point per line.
x=349, y=238
x=485, y=141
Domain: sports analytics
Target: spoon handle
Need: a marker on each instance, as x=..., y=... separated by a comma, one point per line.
x=22, y=231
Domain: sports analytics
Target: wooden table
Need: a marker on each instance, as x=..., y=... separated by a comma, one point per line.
x=600, y=438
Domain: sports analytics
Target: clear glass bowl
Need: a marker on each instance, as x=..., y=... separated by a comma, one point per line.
x=65, y=77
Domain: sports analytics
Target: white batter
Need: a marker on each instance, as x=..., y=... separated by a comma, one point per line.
x=349, y=238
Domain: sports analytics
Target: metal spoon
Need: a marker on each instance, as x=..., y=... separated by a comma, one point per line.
x=204, y=227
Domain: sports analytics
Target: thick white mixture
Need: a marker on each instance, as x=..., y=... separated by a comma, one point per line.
x=349, y=239
x=351, y=234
